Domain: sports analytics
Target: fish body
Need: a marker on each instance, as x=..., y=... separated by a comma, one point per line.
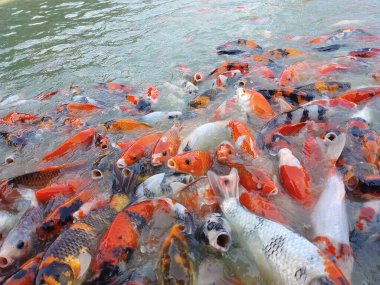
x=330, y=224
x=282, y=255
x=167, y=146
x=243, y=138
x=225, y=109
x=294, y=176
x=360, y=95
x=124, y=125
x=175, y=265
x=163, y=184
x=254, y=103
x=160, y=117
x=228, y=66
x=22, y=118
x=282, y=53
x=227, y=78
x=205, y=137
x=142, y=147
x=82, y=139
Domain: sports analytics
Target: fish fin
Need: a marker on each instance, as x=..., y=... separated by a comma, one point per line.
x=85, y=261
x=227, y=186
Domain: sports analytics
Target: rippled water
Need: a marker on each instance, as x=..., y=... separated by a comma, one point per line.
x=50, y=44
x=47, y=45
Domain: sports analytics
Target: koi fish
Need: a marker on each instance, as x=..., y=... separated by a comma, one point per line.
x=215, y=232
x=242, y=138
x=254, y=103
x=163, y=184
x=47, y=95
x=82, y=139
x=22, y=118
x=63, y=215
x=295, y=96
x=167, y=146
x=226, y=78
x=282, y=53
x=228, y=66
x=328, y=87
x=205, y=137
x=261, y=206
x=225, y=109
x=21, y=239
x=175, y=265
x=43, y=195
x=195, y=162
x=115, y=87
x=67, y=260
x=123, y=125
x=121, y=238
x=274, y=248
x=360, y=95
x=141, y=148
x=159, y=117
x=294, y=177
x=365, y=52
x=329, y=217
x=74, y=108
x=26, y=274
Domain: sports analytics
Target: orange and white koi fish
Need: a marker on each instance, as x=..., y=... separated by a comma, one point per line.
x=142, y=147
x=167, y=146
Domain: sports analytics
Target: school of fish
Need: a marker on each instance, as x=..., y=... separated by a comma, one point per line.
x=257, y=192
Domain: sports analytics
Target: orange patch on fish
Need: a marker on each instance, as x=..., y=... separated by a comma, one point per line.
x=195, y=162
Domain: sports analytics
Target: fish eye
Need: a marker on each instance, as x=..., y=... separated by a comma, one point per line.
x=187, y=161
x=164, y=153
x=20, y=244
x=229, y=151
x=134, y=157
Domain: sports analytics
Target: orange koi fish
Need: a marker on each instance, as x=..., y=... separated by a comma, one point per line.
x=121, y=239
x=167, y=146
x=22, y=118
x=48, y=95
x=294, y=177
x=255, y=103
x=242, y=138
x=74, y=108
x=175, y=265
x=68, y=188
x=124, y=125
x=82, y=139
x=195, y=162
x=115, y=87
x=141, y=148
x=360, y=95
x=228, y=66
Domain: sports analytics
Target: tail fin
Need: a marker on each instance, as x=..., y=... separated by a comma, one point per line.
x=227, y=186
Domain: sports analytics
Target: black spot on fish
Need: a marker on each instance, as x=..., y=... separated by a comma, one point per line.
x=275, y=246
x=137, y=219
x=187, y=147
x=305, y=115
x=230, y=52
x=300, y=274
x=289, y=117
x=321, y=112
x=108, y=124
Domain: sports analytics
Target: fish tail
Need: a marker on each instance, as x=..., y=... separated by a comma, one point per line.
x=227, y=186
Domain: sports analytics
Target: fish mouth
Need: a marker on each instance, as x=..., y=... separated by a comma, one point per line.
x=9, y=160
x=5, y=262
x=172, y=164
x=121, y=163
x=223, y=242
x=96, y=174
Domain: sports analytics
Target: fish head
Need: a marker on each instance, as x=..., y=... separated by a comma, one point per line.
x=287, y=76
x=55, y=273
x=334, y=142
x=243, y=96
x=192, y=162
x=224, y=151
x=174, y=115
x=16, y=246
x=199, y=102
x=215, y=232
